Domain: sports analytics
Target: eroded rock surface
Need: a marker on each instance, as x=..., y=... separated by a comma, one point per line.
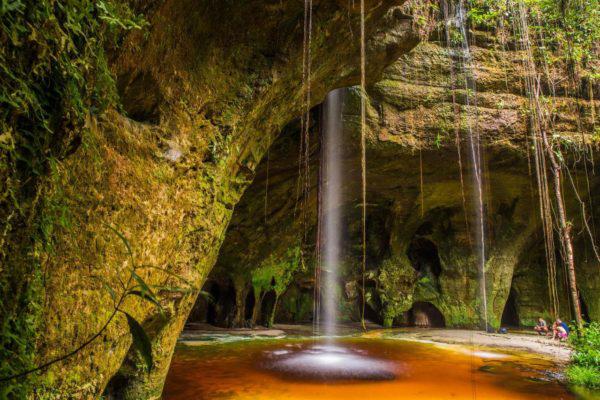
x=421, y=205
x=205, y=92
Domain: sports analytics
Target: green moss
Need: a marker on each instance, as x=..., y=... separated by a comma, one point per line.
x=276, y=273
x=53, y=76
x=396, y=287
x=459, y=315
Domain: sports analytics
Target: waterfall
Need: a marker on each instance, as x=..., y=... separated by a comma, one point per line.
x=331, y=214
x=474, y=153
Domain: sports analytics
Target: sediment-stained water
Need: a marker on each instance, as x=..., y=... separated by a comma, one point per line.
x=249, y=370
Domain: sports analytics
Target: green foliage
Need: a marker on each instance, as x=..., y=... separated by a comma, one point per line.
x=570, y=29
x=424, y=13
x=53, y=74
x=585, y=361
x=583, y=376
x=140, y=340
x=566, y=32
x=484, y=13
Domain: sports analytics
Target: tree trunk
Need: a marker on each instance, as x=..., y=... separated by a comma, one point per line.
x=565, y=231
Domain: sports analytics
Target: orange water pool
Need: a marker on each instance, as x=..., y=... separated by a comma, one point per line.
x=240, y=370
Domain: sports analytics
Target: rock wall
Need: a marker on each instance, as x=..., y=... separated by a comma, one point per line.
x=421, y=218
x=205, y=92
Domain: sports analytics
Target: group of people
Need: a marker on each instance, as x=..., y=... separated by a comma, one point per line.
x=560, y=330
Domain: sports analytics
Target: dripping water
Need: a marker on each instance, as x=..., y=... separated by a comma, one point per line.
x=474, y=151
x=363, y=157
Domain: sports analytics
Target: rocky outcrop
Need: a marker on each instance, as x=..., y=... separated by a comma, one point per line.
x=151, y=191
x=421, y=214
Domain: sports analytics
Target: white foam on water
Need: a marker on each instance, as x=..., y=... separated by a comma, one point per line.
x=330, y=363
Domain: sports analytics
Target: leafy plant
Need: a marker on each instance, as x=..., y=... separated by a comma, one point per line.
x=585, y=361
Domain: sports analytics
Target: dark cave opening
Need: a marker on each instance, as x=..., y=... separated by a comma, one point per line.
x=585, y=313
x=249, y=305
x=510, y=315
x=425, y=315
x=212, y=313
x=373, y=307
x=267, y=307
x=424, y=257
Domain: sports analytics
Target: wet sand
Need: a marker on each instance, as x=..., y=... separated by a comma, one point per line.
x=521, y=341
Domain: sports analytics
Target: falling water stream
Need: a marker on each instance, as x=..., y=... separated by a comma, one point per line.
x=328, y=358
x=331, y=187
x=474, y=151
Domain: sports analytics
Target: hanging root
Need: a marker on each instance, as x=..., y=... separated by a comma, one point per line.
x=363, y=158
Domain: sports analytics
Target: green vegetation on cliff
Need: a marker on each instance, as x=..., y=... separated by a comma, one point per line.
x=54, y=75
x=566, y=32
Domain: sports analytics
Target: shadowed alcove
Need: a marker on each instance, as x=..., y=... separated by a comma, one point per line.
x=425, y=315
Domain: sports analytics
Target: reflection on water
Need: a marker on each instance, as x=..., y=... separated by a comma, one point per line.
x=307, y=369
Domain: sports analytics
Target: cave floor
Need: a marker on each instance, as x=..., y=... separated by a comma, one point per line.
x=517, y=342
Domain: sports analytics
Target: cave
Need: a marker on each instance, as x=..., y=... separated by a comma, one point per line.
x=213, y=302
x=201, y=307
x=373, y=307
x=249, y=305
x=425, y=315
x=585, y=313
x=215, y=307
x=424, y=257
x=510, y=314
x=144, y=149
x=267, y=307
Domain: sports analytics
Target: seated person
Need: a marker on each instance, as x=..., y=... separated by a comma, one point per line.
x=560, y=330
x=541, y=327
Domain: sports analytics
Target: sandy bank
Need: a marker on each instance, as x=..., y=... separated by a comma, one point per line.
x=195, y=334
x=512, y=341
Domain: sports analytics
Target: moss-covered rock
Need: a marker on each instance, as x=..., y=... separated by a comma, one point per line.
x=396, y=286
x=204, y=94
x=421, y=216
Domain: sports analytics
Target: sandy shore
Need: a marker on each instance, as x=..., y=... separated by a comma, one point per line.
x=522, y=342
x=511, y=341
